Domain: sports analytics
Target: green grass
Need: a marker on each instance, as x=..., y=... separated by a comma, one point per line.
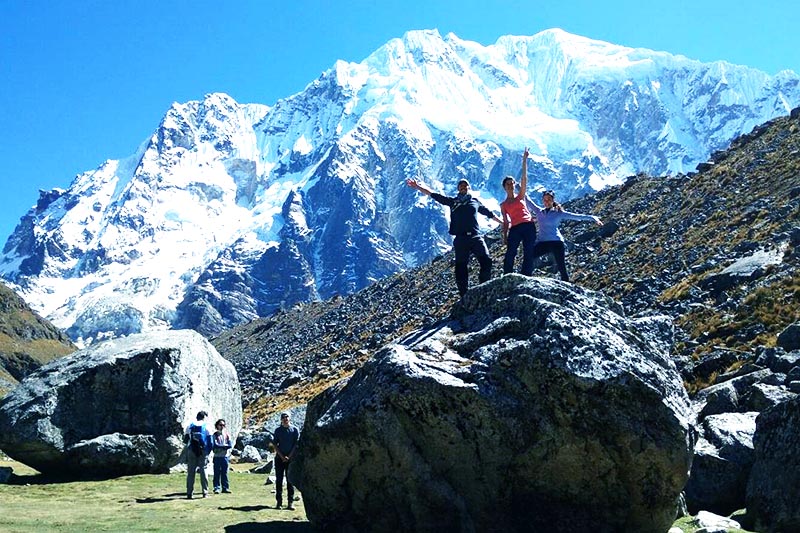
x=156, y=503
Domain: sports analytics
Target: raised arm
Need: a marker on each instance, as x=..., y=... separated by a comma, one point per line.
x=523, y=179
x=414, y=184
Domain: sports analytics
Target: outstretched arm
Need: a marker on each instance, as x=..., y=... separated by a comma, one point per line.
x=414, y=184
x=523, y=180
x=485, y=211
x=577, y=216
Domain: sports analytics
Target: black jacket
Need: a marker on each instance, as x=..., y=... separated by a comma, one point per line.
x=463, y=213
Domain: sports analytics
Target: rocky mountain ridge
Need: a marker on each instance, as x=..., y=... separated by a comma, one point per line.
x=230, y=211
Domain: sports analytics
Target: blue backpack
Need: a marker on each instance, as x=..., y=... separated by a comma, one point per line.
x=196, y=440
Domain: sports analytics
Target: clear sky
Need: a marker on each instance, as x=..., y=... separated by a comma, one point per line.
x=86, y=81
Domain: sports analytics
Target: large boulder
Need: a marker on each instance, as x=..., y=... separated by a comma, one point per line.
x=773, y=497
x=118, y=407
x=722, y=461
x=539, y=407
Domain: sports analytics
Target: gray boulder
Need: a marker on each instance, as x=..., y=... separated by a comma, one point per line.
x=118, y=407
x=778, y=360
x=725, y=397
x=250, y=454
x=723, y=458
x=539, y=398
x=742, y=270
x=761, y=396
x=773, y=498
x=789, y=338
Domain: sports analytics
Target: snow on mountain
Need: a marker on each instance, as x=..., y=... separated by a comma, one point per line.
x=231, y=211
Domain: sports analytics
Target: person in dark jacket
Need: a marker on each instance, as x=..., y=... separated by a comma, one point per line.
x=285, y=439
x=464, y=209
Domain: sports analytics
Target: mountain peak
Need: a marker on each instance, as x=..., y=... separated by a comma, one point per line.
x=136, y=244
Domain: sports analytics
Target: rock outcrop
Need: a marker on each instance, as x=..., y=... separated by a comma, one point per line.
x=773, y=498
x=537, y=397
x=722, y=460
x=118, y=407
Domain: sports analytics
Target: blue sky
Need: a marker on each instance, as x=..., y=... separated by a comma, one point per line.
x=87, y=81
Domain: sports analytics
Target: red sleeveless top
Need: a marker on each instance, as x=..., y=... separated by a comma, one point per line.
x=516, y=210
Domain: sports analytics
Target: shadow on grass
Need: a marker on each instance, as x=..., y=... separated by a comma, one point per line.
x=270, y=527
x=246, y=508
x=41, y=479
x=165, y=498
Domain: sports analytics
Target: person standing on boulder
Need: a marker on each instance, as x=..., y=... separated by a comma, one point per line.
x=198, y=446
x=464, y=209
x=285, y=439
x=221, y=440
x=516, y=216
x=548, y=218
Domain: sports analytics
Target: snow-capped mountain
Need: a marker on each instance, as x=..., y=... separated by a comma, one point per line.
x=230, y=211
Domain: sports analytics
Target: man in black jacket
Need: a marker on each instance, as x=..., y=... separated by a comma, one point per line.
x=285, y=439
x=467, y=240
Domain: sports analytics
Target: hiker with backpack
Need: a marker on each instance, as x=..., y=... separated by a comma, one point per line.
x=198, y=446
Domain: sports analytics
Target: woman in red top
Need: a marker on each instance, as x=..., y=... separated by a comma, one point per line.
x=516, y=216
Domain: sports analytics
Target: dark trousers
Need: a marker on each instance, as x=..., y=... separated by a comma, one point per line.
x=464, y=246
x=525, y=234
x=221, y=473
x=281, y=470
x=557, y=249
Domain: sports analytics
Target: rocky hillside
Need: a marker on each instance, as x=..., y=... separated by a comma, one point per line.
x=716, y=250
x=26, y=340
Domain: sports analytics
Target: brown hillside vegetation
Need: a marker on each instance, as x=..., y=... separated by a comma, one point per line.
x=27, y=341
x=675, y=234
